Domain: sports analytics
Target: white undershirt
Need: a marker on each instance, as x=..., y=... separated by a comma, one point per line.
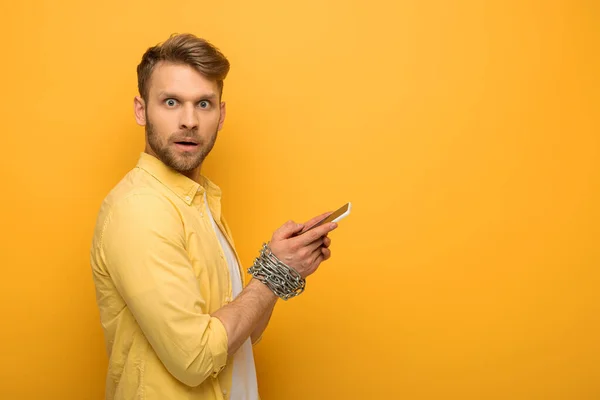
x=244, y=385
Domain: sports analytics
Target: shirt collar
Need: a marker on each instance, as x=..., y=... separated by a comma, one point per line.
x=178, y=183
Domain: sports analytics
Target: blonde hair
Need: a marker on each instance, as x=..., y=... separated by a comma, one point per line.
x=184, y=49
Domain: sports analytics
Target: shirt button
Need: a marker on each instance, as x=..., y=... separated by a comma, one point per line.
x=187, y=198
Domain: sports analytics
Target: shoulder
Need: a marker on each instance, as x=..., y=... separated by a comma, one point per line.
x=135, y=203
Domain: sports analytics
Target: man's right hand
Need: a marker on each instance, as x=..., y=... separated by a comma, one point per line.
x=304, y=252
x=249, y=313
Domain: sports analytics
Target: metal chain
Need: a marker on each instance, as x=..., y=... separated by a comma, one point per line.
x=283, y=280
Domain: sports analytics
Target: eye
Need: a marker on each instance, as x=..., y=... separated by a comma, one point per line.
x=171, y=102
x=204, y=104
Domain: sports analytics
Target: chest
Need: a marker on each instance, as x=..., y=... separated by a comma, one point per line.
x=208, y=256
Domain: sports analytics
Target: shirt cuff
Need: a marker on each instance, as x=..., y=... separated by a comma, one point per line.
x=218, y=345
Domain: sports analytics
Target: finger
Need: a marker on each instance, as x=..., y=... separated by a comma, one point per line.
x=326, y=253
x=317, y=260
x=316, y=233
x=317, y=218
x=314, y=221
x=287, y=230
x=326, y=241
x=314, y=246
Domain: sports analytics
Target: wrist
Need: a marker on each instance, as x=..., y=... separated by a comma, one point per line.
x=284, y=281
x=262, y=289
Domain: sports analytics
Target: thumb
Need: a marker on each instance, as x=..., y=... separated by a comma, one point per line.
x=287, y=230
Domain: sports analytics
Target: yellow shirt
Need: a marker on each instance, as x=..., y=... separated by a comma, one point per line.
x=159, y=273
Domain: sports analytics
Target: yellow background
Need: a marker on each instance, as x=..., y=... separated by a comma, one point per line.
x=466, y=134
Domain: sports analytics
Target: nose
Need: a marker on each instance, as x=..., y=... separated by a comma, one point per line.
x=188, y=119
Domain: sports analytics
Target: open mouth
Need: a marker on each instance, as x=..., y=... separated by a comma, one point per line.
x=186, y=145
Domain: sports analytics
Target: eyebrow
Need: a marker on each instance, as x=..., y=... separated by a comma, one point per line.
x=207, y=96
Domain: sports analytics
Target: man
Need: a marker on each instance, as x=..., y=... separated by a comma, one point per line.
x=177, y=319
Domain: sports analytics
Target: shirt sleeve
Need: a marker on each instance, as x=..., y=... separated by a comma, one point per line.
x=143, y=248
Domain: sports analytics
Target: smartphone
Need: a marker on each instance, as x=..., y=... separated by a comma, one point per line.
x=336, y=216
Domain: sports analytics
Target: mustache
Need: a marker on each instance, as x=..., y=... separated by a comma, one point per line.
x=185, y=135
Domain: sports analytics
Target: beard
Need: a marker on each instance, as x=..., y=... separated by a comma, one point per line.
x=182, y=162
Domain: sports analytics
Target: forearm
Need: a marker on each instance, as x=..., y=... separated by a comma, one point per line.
x=262, y=324
x=246, y=313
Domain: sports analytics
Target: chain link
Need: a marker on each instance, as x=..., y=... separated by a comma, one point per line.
x=283, y=280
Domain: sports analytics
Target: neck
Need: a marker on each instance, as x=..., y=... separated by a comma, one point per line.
x=193, y=174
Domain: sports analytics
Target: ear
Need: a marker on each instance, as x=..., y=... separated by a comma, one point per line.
x=223, y=113
x=139, y=109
